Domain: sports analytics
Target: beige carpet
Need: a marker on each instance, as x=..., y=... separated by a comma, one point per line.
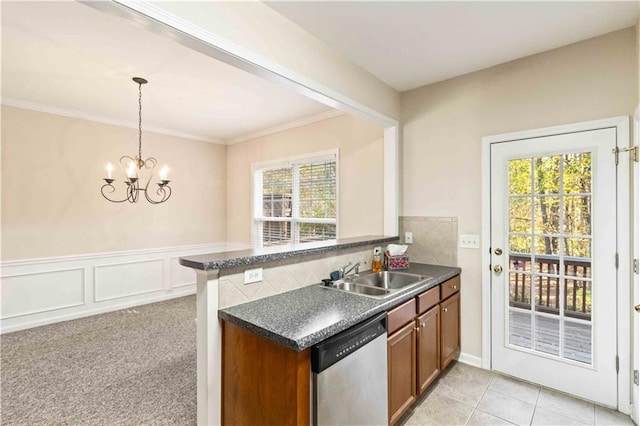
x=134, y=366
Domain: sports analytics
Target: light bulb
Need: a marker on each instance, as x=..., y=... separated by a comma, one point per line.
x=164, y=172
x=109, y=170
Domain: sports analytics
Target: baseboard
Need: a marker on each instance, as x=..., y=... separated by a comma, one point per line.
x=472, y=360
x=36, y=292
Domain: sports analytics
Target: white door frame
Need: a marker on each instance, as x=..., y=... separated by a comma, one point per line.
x=635, y=341
x=621, y=124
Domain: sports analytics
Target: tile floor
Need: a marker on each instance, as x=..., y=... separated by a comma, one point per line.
x=466, y=395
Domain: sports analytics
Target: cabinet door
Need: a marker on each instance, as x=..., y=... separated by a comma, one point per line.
x=401, y=351
x=428, y=348
x=449, y=329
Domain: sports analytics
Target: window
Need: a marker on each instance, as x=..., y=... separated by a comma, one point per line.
x=295, y=201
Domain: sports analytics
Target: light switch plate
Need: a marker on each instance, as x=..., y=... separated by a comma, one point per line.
x=252, y=275
x=408, y=237
x=469, y=241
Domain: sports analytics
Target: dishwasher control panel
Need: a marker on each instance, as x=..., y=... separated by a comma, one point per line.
x=332, y=350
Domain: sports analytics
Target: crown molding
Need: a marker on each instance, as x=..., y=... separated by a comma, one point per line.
x=18, y=103
x=304, y=121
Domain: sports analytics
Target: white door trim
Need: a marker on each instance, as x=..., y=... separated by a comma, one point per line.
x=621, y=124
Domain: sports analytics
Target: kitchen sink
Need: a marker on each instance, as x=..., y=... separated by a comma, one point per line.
x=352, y=287
x=389, y=279
x=378, y=285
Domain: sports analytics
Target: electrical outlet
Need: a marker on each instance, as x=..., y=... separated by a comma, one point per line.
x=408, y=237
x=470, y=241
x=252, y=275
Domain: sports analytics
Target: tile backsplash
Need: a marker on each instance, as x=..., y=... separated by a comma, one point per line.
x=285, y=275
x=435, y=239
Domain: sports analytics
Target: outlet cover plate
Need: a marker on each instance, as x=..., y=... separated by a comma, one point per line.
x=252, y=275
x=408, y=237
x=469, y=241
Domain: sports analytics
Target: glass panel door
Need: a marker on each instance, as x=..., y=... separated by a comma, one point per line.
x=549, y=216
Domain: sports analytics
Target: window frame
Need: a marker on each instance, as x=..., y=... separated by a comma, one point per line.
x=295, y=162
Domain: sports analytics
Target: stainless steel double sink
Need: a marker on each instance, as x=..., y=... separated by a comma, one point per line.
x=378, y=285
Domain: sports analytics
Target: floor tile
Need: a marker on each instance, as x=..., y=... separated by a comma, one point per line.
x=480, y=418
x=544, y=417
x=470, y=374
x=517, y=389
x=605, y=416
x=440, y=410
x=506, y=408
x=467, y=392
x=567, y=406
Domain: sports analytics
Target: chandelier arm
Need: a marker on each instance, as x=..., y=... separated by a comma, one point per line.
x=112, y=190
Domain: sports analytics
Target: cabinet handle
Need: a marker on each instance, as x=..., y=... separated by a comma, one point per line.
x=423, y=325
x=417, y=329
x=444, y=309
x=454, y=287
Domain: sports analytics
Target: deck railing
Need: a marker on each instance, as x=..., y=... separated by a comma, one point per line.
x=577, y=291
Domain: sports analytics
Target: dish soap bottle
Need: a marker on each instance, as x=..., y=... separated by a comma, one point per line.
x=376, y=263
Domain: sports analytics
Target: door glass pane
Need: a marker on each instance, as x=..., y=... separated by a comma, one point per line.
x=547, y=294
x=547, y=215
x=520, y=176
x=577, y=215
x=520, y=215
x=520, y=329
x=550, y=255
x=577, y=173
x=547, y=335
x=546, y=172
x=520, y=290
x=577, y=341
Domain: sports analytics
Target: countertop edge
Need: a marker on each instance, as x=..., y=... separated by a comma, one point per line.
x=213, y=261
x=318, y=336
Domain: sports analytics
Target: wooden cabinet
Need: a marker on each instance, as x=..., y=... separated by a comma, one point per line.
x=449, y=329
x=428, y=361
x=401, y=353
x=424, y=337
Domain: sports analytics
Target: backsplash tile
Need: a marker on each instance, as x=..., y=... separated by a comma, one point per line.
x=435, y=239
x=285, y=275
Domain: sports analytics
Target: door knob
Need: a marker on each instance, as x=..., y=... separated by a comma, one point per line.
x=637, y=308
x=498, y=251
x=497, y=269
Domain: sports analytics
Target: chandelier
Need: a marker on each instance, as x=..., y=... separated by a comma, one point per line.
x=132, y=167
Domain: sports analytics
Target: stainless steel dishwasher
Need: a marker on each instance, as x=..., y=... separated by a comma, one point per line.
x=350, y=376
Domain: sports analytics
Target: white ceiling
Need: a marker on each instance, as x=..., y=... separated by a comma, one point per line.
x=65, y=57
x=414, y=43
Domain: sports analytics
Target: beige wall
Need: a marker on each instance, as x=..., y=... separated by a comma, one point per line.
x=445, y=122
x=276, y=39
x=52, y=170
x=360, y=145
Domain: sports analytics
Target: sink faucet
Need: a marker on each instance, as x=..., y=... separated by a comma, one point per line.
x=344, y=271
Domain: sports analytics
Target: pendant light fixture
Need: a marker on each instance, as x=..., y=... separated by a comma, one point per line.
x=133, y=167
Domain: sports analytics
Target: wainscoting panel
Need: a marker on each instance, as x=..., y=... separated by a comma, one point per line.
x=43, y=291
x=32, y=293
x=128, y=279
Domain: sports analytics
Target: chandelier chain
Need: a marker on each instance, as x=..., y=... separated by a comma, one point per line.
x=140, y=121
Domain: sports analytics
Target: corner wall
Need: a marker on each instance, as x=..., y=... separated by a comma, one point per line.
x=443, y=125
x=360, y=144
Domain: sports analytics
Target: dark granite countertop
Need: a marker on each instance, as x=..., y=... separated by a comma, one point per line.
x=301, y=318
x=208, y=262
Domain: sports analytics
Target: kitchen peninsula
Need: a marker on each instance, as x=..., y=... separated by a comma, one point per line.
x=291, y=321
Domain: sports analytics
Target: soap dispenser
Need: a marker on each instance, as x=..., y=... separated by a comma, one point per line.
x=376, y=264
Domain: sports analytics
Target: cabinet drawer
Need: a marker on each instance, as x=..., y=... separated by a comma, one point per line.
x=397, y=317
x=428, y=299
x=450, y=287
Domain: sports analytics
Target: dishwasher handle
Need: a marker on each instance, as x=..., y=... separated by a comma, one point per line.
x=343, y=344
